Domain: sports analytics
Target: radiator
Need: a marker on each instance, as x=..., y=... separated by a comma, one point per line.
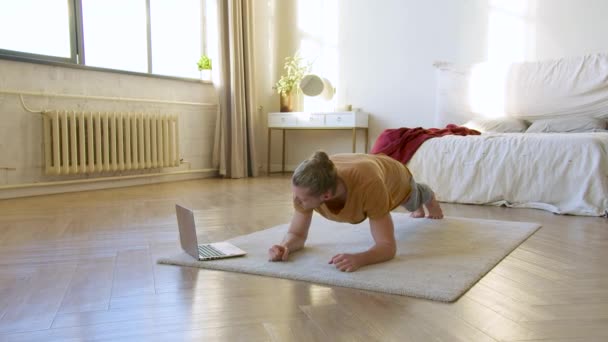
x=86, y=142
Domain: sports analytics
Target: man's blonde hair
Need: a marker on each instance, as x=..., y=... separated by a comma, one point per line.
x=318, y=174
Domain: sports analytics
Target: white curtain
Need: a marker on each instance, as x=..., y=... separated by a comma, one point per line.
x=234, y=150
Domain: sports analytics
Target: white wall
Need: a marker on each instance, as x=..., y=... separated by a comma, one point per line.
x=21, y=152
x=387, y=54
x=571, y=27
x=384, y=51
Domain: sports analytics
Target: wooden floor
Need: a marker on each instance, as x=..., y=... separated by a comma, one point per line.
x=81, y=266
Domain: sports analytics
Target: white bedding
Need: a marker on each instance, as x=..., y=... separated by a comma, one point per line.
x=565, y=173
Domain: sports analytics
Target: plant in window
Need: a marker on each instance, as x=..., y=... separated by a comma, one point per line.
x=204, y=66
x=204, y=63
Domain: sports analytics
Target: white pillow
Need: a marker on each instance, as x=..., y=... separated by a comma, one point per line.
x=571, y=125
x=499, y=125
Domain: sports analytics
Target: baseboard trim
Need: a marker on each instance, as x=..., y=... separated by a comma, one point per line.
x=276, y=168
x=49, y=188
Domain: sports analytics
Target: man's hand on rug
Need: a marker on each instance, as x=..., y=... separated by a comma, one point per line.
x=278, y=253
x=346, y=262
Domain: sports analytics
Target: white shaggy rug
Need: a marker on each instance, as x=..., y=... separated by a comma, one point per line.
x=436, y=259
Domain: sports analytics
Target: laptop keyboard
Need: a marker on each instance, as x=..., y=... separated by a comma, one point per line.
x=207, y=251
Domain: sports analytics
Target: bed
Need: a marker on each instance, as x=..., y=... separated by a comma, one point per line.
x=555, y=160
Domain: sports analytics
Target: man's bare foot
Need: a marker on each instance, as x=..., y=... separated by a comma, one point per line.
x=434, y=209
x=419, y=213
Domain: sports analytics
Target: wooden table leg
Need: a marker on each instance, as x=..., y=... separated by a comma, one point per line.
x=354, y=139
x=366, y=139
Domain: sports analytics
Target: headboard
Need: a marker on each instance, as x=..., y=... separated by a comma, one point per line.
x=566, y=87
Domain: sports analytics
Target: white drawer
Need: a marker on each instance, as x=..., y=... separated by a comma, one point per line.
x=281, y=120
x=311, y=120
x=317, y=119
x=338, y=120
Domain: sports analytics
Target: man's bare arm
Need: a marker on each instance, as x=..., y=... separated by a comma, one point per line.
x=294, y=239
x=384, y=248
x=298, y=231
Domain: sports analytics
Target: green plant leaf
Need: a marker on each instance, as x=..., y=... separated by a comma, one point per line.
x=294, y=72
x=204, y=63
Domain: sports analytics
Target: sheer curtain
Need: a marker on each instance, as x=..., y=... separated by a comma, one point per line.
x=234, y=150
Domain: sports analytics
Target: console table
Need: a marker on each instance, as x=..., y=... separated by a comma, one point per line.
x=352, y=121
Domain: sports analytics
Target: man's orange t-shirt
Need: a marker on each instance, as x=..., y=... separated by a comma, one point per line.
x=375, y=185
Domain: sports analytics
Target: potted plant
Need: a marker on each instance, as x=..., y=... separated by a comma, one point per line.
x=288, y=84
x=204, y=66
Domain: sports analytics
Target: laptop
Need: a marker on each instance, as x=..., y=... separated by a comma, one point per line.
x=188, y=240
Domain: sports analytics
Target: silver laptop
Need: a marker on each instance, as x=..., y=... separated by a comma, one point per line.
x=188, y=240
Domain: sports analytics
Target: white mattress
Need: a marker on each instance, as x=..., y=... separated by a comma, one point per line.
x=565, y=173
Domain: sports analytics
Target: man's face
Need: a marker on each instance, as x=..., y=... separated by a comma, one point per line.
x=304, y=199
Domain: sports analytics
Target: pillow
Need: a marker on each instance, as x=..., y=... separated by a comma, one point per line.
x=571, y=125
x=499, y=125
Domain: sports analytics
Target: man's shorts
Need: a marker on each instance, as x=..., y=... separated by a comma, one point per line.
x=420, y=194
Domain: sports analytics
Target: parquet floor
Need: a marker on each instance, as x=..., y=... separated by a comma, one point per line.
x=81, y=267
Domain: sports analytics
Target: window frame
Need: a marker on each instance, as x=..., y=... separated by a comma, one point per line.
x=77, y=59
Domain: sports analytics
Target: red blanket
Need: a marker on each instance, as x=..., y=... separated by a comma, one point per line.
x=402, y=143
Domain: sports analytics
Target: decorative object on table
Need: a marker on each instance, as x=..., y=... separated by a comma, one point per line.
x=318, y=93
x=204, y=66
x=344, y=108
x=288, y=85
x=313, y=85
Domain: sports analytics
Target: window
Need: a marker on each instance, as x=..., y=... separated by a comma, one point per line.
x=162, y=37
x=176, y=36
x=40, y=27
x=115, y=34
